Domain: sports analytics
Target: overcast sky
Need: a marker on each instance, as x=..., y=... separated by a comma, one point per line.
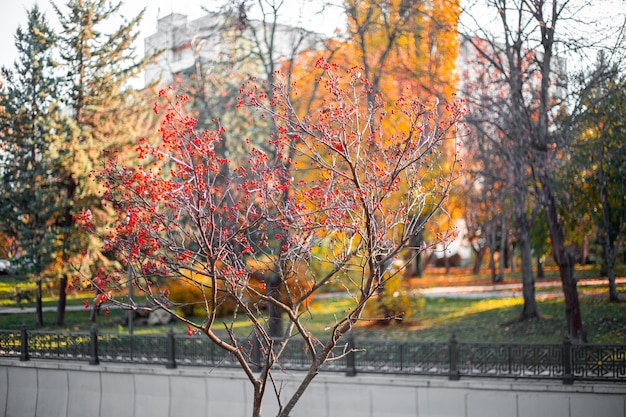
x=13, y=14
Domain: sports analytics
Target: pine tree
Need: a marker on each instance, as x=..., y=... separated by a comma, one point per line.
x=99, y=68
x=31, y=134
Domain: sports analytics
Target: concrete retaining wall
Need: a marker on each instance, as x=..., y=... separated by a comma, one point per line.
x=50, y=389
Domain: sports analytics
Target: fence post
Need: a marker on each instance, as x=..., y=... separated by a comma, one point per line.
x=350, y=356
x=568, y=378
x=453, y=349
x=170, y=349
x=24, y=356
x=93, y=346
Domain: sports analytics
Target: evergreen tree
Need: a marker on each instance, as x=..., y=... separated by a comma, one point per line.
x=599, y=173
x=99, y=69
x=31, y=134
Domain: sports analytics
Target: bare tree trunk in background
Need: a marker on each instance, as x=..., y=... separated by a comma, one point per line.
x=492, y=243
x=416, y=243
x=275, y=315
x=540, y=272
x=565, y=261
x=510, y=251
x=522, y=228
x=39, y=304
x=610, y=256
x=584, y=252
x=478, y=260
x=60, y=317
x=502, y=259
x=529, y=309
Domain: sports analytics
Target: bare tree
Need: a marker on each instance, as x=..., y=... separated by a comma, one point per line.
x=539, y=108
x=344, y=206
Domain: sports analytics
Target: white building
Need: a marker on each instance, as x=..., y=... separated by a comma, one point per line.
x=217, y=39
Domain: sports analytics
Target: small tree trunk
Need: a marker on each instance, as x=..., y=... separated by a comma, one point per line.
x=492, y=264
x=95, y=309
x=540, y=272
x=529, y=309
x=39, y=304
x=613, y=295
x=258, y=400
x=522, y=228
x=419, y=269
x=572, y=305
x=275, y=314
x=511, y=252
x=565, y=261
x=478, y=260
x=500, y=276
x=610, y=256
x=492, y=246
x=584, y=251
x=416, y=243
x=427, y=259
x=60, y=317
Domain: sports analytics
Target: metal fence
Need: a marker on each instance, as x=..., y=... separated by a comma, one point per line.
x=455, y=359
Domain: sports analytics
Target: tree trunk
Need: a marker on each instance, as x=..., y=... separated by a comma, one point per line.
x=540, y=272
x=95, y=309
x=584, y=251
x=39, y=304
x=610, y=255
x=613, y=295
x=529, y=309
x=478, y=260
x=258, y=399
x=416, y=243
x=565, y=261
x=60, y=317
x=491, y=242
x=492, y=263
x=419, y=269
x=275, y=314
x=500, y=276
x=522, y=229
x=510, y=252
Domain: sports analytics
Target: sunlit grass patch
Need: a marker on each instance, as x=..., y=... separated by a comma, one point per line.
x=486, y=319
x=474, y=307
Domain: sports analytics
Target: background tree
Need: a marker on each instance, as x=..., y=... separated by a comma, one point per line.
x=597, y=165
x=217, y=233
x=493, y=155
x=539, y=110
x=32, y=133
x=406, y=47
x=105, y=112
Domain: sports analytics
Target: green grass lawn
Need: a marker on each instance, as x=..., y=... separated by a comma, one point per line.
x=471, y=320
x=433, y=318
x=495, y=320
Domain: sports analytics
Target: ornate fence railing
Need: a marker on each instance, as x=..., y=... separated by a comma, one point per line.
x=455, y=359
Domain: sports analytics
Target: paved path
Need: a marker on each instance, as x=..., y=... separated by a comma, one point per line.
x=22, y=310
x=506, y=290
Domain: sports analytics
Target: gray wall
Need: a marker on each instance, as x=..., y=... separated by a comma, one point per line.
x=50, y=389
